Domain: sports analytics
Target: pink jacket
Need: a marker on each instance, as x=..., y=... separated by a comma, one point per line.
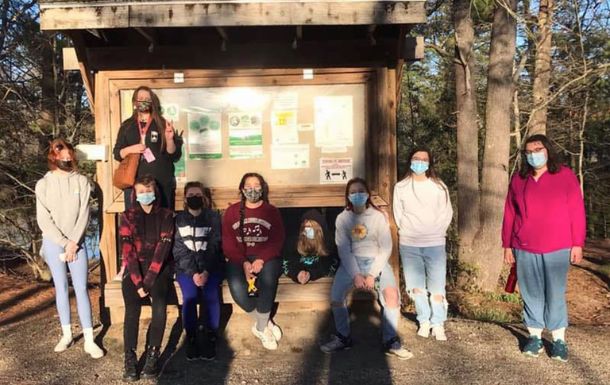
x=545, y=215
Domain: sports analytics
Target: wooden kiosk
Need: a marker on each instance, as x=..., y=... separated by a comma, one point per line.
x=304, y=92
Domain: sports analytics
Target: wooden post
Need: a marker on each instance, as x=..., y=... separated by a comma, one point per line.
x=387, y=166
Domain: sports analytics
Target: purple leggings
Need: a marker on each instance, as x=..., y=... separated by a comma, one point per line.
x=192, y=295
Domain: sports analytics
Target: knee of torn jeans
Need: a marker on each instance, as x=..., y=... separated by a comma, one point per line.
x=390, y=296
x=438, y=298
x=416, y=292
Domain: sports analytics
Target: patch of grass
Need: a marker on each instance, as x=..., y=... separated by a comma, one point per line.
x=492, y=315
x=505, y=297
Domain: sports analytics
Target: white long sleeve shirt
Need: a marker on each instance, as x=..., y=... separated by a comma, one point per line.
x=423, y=212
x=363, y=235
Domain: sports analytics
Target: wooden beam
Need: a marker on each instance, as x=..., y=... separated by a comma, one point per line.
x=413, y=48
x=64, y=16
x=87, y=76
x=70, y=62
x=310, y=54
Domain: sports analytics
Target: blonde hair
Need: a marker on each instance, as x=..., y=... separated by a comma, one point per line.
x=317, y=245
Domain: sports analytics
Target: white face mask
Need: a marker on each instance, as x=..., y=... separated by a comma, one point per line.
x=309, y=232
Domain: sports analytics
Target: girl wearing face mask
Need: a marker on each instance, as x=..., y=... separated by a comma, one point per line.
x=198, y=260
x=62, y=213
x=252, y=239
x=146, y=232
x=312, y=260
x=364, y=242
x=147, y=133
x=543, y=231
x=423, y=212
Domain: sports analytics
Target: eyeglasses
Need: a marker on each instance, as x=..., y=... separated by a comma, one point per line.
x=144, y=101
x=535, y=150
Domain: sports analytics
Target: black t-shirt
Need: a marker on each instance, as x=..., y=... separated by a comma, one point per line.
x=162, y=168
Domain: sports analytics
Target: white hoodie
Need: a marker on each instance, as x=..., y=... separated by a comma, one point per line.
x=423, y=212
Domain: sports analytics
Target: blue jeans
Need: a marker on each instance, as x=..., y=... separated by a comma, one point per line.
x=344, y=283
x=542, y=282
x=78, y=272
x=192, y=295
x=425, y=270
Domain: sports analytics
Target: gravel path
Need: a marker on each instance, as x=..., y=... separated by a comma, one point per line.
x=476, y=353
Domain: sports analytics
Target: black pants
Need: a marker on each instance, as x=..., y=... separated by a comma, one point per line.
x=266, y=282
x=133, y=307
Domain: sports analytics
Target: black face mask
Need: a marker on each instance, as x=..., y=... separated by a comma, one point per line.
x=65, y=165
x=194, y=202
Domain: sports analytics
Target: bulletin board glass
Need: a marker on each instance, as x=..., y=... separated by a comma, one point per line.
x=291, y=134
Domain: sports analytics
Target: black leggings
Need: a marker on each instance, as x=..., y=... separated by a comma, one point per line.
x=266, y=282
x=133, y=308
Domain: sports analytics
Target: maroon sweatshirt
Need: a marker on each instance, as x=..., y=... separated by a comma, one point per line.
x=263, y=231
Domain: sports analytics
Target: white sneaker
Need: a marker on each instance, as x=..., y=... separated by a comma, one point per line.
x=396, y=349
x=277, y=332
x=93, y=350
x=64, y=343
x=439, y=333
x=424, y=330
x=266, y=338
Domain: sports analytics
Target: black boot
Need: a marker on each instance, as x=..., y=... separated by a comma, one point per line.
x=208, y=351
x=192, y=353
x=131, y=362
x=151, y=367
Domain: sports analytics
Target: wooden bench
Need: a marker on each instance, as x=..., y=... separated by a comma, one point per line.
x=292, y=296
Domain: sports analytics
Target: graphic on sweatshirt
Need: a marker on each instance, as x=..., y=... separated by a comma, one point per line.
x=359, y=232
x=253, y=231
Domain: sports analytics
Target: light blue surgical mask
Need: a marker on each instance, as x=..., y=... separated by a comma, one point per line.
x=419, y=166
x=536, y=159
x=358, y=198
x=309, y=232
x=146, y=198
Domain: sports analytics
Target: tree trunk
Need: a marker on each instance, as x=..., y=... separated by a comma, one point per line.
x=542, y=71
x=47, y=112
x=467, y=129
x=494, y=183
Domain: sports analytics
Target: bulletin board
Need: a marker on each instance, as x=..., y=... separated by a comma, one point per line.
x=293, y=135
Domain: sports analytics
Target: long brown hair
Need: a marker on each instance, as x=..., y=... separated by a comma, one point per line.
x=55, y=147
x=553, y=162
x=242, y=201
x=155, y=111
x=369, y=202
x=430, y=172
x=315, y=246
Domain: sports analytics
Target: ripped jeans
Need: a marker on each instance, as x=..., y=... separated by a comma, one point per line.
x=425, y=270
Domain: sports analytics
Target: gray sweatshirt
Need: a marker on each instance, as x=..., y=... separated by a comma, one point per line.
x=363, y=235
x=62, y=206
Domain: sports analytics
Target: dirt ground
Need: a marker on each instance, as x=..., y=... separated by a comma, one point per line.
x=476, y=353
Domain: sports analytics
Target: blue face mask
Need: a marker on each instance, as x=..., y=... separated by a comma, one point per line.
x=309, y=232
x=536, y=159
x=358, y=199
x=146, y=198
x=419, y=166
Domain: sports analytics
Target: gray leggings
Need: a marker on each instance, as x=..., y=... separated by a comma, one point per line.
x=78, y=271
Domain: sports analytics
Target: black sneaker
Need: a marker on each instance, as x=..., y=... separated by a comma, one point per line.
x=559, y=351
x=337, y=342
x=130, y=373
x=151, y=367
x=206, y=342
x=192, y=353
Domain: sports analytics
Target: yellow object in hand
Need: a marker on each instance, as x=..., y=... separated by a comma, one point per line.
x=252, y=285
